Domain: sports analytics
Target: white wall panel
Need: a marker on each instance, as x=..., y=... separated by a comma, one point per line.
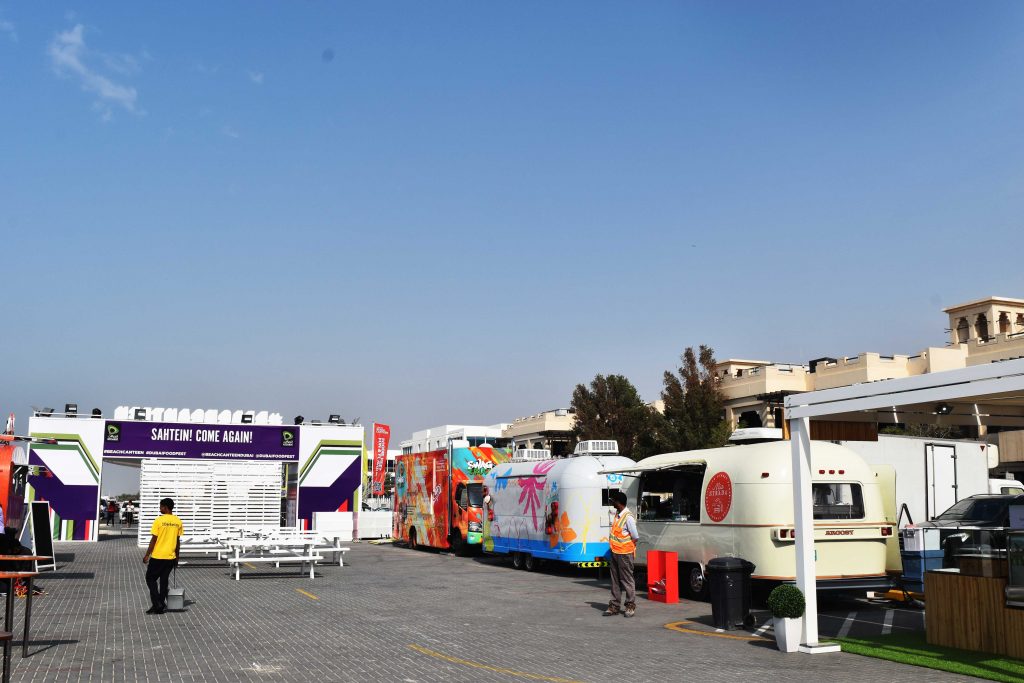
x=210, y=496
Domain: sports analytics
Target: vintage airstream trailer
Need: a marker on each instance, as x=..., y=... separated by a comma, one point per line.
x=738, y=501
x=551, y=509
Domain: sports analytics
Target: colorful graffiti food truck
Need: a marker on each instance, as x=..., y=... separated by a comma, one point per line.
x=13, y=475
x=738, y=501
x=544, y=509
x=439, y=495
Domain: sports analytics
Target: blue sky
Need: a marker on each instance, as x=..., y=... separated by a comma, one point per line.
x=453, y=212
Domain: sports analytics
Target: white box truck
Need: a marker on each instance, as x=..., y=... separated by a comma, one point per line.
x=931, y=474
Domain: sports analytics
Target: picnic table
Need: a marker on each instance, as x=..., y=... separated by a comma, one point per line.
x=254, y=551
x=244, y=545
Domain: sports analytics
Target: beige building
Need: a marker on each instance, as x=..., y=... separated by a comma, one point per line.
x=990, y=329
x=982, y=331
x=551, y=430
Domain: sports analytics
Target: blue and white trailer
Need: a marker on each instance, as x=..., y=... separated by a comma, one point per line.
x=538, y=508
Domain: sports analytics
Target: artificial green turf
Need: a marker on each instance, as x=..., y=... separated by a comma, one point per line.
x=912, y=648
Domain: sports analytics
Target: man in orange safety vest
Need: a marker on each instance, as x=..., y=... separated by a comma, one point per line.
x=622, y=541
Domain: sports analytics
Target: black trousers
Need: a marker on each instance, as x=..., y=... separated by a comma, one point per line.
x=158, y=571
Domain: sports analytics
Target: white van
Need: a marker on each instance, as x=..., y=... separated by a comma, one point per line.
x=1005, y=486
x=551, y=509
x=738, y=501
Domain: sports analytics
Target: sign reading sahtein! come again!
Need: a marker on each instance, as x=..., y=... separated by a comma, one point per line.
x=204, y=441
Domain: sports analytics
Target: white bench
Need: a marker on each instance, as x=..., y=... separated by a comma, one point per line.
x=202, y=548
x=328, y=549
x=310, y=541
x=277, y=560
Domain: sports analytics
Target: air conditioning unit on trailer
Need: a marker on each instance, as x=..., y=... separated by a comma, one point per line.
x=602, y=447
x=531, y=455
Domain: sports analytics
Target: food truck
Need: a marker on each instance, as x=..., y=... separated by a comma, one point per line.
x=13, y=475
x=543, y=509
x=738, y=501
x=439, y=495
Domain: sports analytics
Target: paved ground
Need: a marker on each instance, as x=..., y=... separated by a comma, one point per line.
x=390, y=614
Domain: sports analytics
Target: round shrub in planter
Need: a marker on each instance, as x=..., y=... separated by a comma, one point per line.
x=786, y=602
x=787, y=605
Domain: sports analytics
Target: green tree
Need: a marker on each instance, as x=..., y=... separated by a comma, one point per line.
x=928, y=431
x=611, y=408
x=694, y=413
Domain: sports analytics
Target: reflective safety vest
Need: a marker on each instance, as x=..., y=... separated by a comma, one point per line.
x=619, y=540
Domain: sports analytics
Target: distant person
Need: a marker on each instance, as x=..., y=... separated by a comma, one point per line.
x=162, y=554
x=622, y=541
x=111, y=510
x=129, y=513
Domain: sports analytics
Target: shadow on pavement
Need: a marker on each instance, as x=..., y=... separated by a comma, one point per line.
x=50, y=576
x=47, y=644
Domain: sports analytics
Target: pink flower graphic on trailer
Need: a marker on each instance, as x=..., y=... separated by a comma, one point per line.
x=532, y=488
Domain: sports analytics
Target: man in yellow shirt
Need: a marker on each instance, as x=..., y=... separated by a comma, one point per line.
x=162, y=554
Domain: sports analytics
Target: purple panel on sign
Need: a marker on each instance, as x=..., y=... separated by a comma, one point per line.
x=71, y=503
x=200, y=441
x=339, y=496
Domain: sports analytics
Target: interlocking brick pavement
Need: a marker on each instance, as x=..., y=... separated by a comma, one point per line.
x=364, y=618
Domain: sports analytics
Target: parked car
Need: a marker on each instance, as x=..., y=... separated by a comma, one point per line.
x=975, y=524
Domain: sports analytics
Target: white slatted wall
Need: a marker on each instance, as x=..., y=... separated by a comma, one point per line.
x=210, y=495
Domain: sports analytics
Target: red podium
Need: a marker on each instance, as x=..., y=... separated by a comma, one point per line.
x=663, y=576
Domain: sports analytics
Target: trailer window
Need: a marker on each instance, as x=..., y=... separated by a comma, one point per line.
x=606, y=497
x=476, y=495
x=462, y=496
x=672, y=495
x=838, y=501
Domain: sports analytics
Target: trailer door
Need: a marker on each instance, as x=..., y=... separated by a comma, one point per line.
x=942, y=480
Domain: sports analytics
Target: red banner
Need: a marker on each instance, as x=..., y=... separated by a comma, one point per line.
x=381, y=437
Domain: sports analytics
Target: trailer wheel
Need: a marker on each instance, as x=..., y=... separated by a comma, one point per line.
x=517, y=561
x=693, y=579
x=531, y=563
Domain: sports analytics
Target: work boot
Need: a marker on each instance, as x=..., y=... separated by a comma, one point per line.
x=630, y=609
x=612, y=610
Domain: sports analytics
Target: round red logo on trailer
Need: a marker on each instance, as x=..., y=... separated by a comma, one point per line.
x=718, y=497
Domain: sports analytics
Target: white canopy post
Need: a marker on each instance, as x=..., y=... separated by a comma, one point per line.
x=803, y=515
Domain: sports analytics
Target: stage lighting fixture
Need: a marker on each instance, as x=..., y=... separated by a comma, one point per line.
x=96, y=412
x=70, y=409
x=299, y=419
x=140, y=414
x=247, y=418
x=943, y=409
x=334, y=419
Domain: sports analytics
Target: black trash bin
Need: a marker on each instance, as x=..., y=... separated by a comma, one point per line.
x=729, y=589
